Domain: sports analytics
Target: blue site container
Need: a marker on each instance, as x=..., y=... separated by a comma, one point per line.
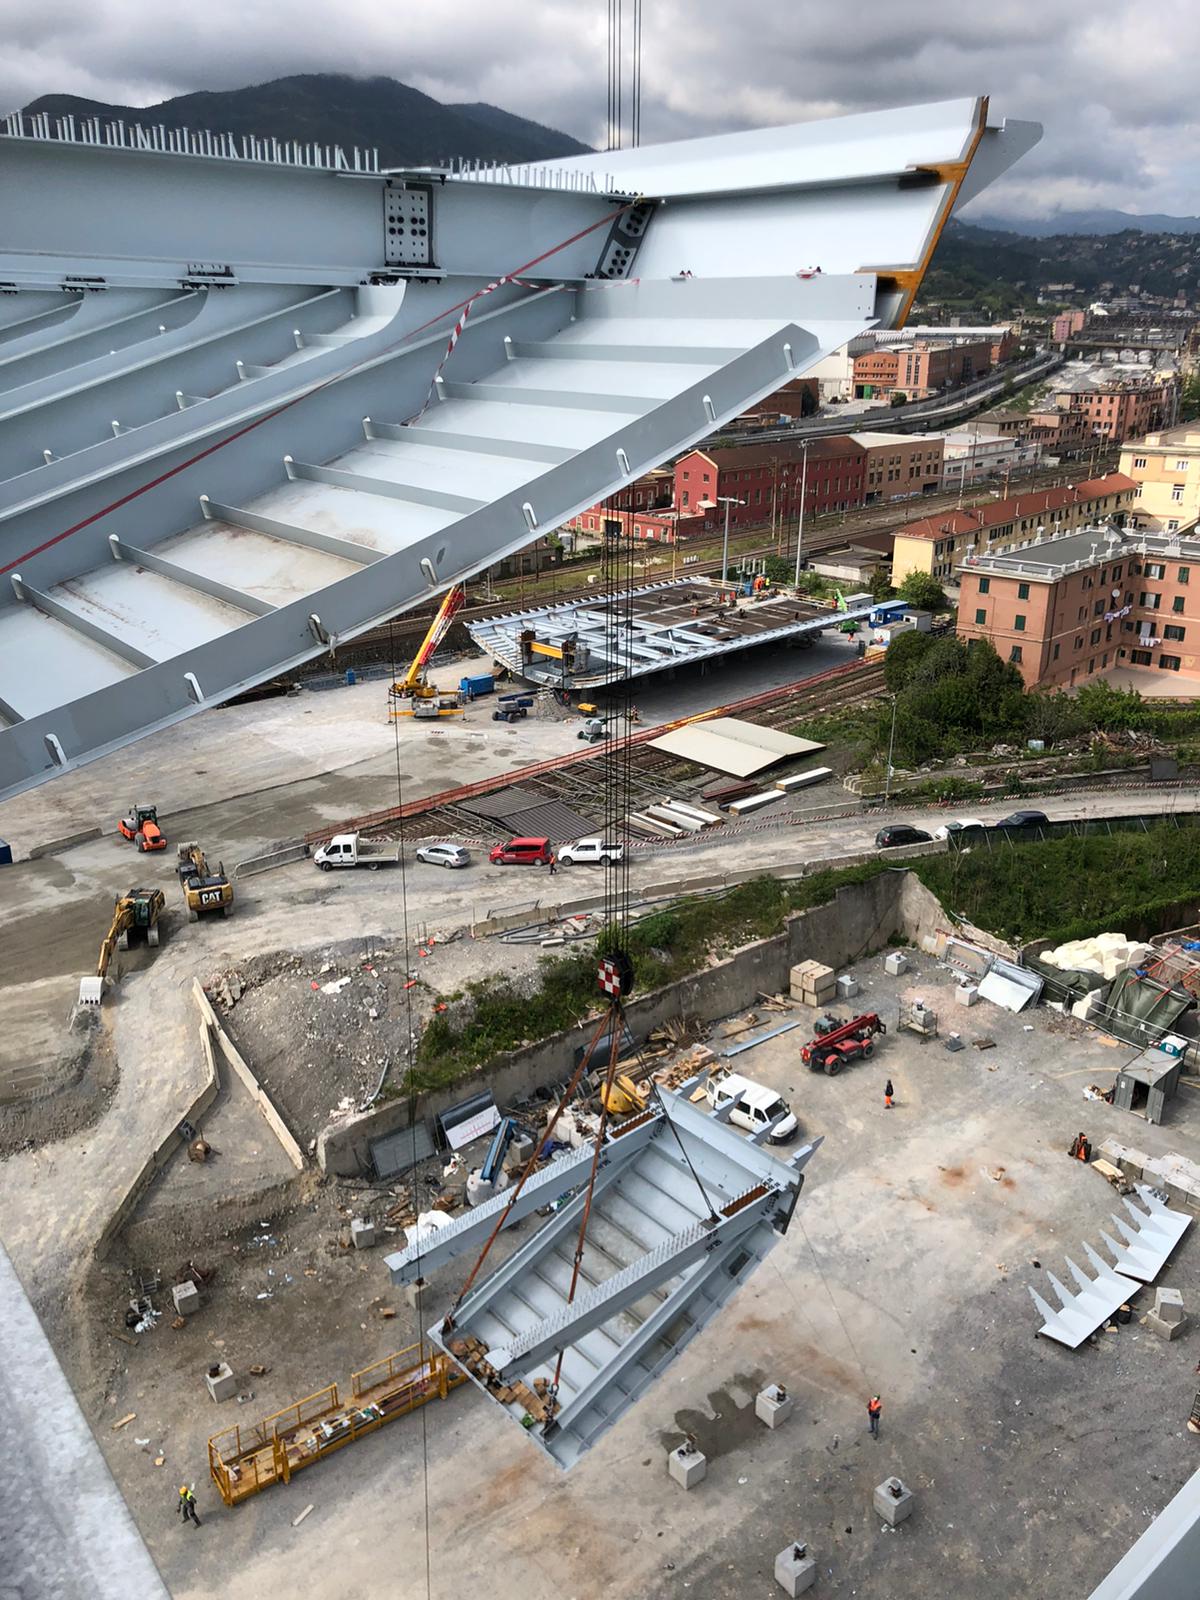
x=5, y=854
x=471, y=687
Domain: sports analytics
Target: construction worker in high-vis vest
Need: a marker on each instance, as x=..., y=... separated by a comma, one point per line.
x=187, y=1504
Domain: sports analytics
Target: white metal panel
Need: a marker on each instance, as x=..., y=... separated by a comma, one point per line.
x=268, y=568
x=834, y=150
x=43, y=662
x=152, y=613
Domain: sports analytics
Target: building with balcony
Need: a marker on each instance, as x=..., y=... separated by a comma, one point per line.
x=1100, y=602
x=1166, y=468
x=938, y=545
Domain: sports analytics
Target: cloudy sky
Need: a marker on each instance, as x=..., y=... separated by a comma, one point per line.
x=1113, y=82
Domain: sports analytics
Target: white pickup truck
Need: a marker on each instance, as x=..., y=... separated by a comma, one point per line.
x=591, y=852
x=349, y=850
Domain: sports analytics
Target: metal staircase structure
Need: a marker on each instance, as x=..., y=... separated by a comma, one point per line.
x=241, y=417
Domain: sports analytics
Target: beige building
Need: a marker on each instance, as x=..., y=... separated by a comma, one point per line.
x=938, y=545
x=1166, y=468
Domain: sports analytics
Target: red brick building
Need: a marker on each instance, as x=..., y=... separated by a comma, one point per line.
x=767, y=478
x=922, y=368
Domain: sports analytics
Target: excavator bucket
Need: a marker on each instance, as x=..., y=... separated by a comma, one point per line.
x=91, y=991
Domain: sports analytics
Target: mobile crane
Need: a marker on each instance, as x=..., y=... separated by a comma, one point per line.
x=137, y=911
x=413, y=695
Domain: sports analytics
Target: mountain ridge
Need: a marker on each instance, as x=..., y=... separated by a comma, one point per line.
x=408, y=127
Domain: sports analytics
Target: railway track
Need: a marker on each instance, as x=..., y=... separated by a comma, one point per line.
x=571, y=778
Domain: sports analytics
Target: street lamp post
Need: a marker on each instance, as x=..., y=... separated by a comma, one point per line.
x=803, y=496
x=887, y=781
x=727, y=500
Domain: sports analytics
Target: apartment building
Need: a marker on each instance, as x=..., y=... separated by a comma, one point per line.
x=920, y=369
x=1122, y=408
x=1065, y=435
x=1097, y=602
x=900, y=466
x=938, y=545
x=1066, y=324
x=981, y=453
x=766, y=479
x=1166, y=468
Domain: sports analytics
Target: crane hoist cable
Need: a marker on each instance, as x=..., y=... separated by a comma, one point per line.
x=412, y=1102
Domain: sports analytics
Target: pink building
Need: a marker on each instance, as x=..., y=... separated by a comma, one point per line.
x=1066, y=324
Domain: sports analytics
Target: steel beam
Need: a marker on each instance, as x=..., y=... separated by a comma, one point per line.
x=665, y=354
x=79, y=624
x=365, y=484
x=471, y=1228
x=561, y=399
x=290, y=532
x=468, y=443
x=597, y=1306
x=653, y=1328
x=189, y=580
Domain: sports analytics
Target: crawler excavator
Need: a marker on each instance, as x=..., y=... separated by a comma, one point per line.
x=204, y=890
x=135, y=913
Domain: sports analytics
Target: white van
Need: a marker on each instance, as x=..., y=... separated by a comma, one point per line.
x=757, y=1105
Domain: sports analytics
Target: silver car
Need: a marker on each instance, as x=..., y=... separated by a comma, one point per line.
x=444, y=855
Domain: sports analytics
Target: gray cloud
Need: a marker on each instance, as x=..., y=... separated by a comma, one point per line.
x=1113, y=85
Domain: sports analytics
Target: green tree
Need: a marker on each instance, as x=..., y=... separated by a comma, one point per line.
x=1053, y=717
x=904, y=655
x=923, y=592
x=945, y=658
x=881, y=584
x=1109, y=710
x=898, y=398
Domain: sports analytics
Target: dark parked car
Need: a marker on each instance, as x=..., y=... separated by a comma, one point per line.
x=1023, y=819
x=901, y=833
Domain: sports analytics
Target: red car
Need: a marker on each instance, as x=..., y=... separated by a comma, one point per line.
x=522, y=852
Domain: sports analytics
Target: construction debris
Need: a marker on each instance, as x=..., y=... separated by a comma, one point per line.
x=536, y=1399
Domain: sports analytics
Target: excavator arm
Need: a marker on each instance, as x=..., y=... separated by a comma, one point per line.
x=123, y=918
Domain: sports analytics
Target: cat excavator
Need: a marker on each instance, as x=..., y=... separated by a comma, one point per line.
x=135, y=913
x=204, y=890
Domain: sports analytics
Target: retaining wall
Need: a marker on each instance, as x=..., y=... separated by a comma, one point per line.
x=255, y=1090
x=862, y=917
x=164, y=1150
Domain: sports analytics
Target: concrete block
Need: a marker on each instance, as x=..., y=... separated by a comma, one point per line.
x=187, y=1298
x=220, y=1381
x=895, y=963
x=795, y=1569
x=519, y=1152
x=966, y=994
x=687, y=1467
x=362, y=1233
x=1168, y=1305
x=847, y=986
x=774, y=1405
x=892, y=1501
x=1164, y=1330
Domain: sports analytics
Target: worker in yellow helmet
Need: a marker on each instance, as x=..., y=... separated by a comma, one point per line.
x=187, y=1504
